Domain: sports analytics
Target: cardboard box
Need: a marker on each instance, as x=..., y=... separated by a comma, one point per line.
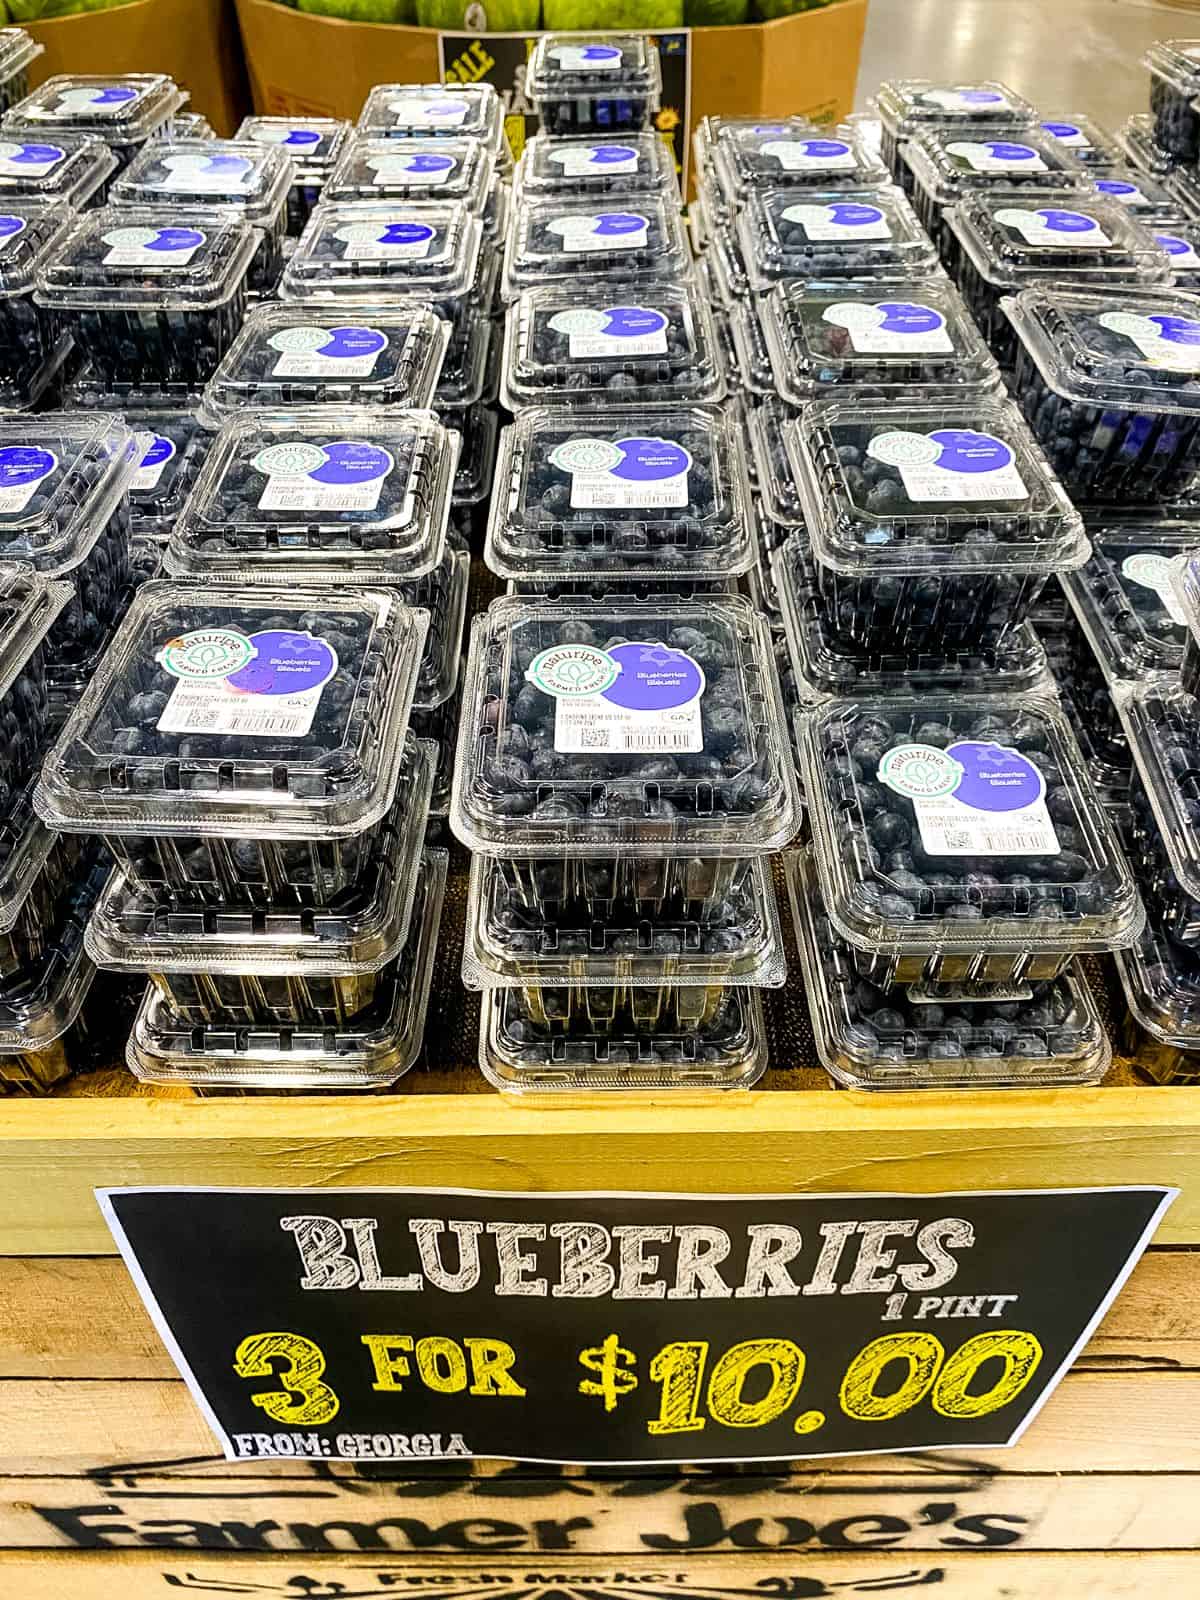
x=196, y=41
x=321, y=65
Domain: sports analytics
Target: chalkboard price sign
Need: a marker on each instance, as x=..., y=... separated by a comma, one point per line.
x=394, y=1324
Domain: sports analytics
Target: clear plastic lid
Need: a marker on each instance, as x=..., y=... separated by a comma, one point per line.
x=1181, y=241
x=555, y=241
x=948, y=163
x=1084, y=140
x=711, y=129
x=1136, y=147
x=508, y=943
x=413, y=170
x=121, y=107
x=40, y=1007
x=171, y=446
x=943, y=1036
x=826, y=668
x=564, y=66
x=159, y=258
x=238, y=712
x=29, y=234
x=751, y=357
x=313, y=143
x=1161, y=980
x=443, y=594
x=828, y=233
x=251, y=179
x=654, y=724
x=335, y=494
x=132, y=931
x=1134, y=349
x=908, y=105
x=775, y=475
x=659, y=347
x=378, y=1046
x=417, y=110
x=67, y=170
x=757, y=156
x=910, y=488
x=1162, y=723
x=373, y=252
x=17, y=50
x=952, y=822
x=29, y=607
x=623, y=491
x=520, y=1052
x=1124, y=599
x=62, y=474
x=1177, y=62
x=1144, y=196
x=288, y=355
x=908, y=337
x=599, y=164
x=1012, y=237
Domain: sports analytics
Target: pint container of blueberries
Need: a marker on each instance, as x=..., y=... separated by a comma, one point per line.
x=325, y=495
x=30, y=344
x=588, y=83
x=1174, y=66
x=383, y=250
x=760, y=156
x=1148, y=198
x=824, y=233
x=313, y=144
x=1161, y=1028
x=911, y=106
x=442, y=594
x=152, y=297
x=235, y=178
x=1085, y=141
x=998, y=244
x=620, y=494
x=171, y=446
x=425, y=110
x=238, y=967
x=17, y=50
x=863, y=338
x=41, y=877
x=414, y=170
x=72, y=171
x=947, y=164
x=1043, y=1033
x=631, y=755
x=1138, y=149
x=125, y=109
x=238, y=745
x=46, y=1034
x=933, y=527
x=292, y=355
x=596, y=167
x=594, y=245
x=652, y=346
x=1110, y=385
x=30, y=606
x=370, y=1050
x=958, y=838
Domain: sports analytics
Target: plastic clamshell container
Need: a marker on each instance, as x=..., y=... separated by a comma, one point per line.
x=933, y=528
x=313, y=144
x=151, y=296
x=509, y=943
x=1136, y=147
x=1162, y=723
x=1181, y=241
x=30, y=606
x=826, y=668
x=1161, y=981
x=1110, y=386
x=374, y=252
x=520, y=1053
x=653, y=345
x=478, y=427
x=602, y=165
x=905, y=338
x=556, y=241
x=290, y=355
x=594, y=83
x=45, y=1033
x=771, y=461
x=439, y=728
x=709, y=130
x=824, y=233
x=124, y=109
x=1083, y=690
x=1046, y=1034
x=171, y=446
x=17, y=50
x=1174, y=66
x=1147, y=197
x=751, y=359
x=69, y=170
x=620, y=492
x=1124, y=598
x=195, y=725
x=42, y=878
x=1085, y=141
x=321, y=494
x=439, y=170
x=29, y=234
x=441, y=593
x=758, y=156
x=908, y=106
x=1006, y=242
x=419, y=110
x=959, y=838
x=946, y=164
x=370, y=1052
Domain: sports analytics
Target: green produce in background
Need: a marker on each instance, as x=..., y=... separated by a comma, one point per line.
x=361, y=10
x=480, y=16
x=768, y=10
x=576, y=15
x=43, y=10
x=715, y=13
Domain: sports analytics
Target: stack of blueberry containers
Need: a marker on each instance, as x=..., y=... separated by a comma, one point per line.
x=314, y=145
x=623, y=770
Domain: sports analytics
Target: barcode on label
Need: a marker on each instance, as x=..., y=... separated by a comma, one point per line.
x=284, y=724
x=1017, y=844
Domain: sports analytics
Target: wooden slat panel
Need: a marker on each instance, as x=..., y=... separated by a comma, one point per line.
x=143, y=1575
x=53, y=1153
